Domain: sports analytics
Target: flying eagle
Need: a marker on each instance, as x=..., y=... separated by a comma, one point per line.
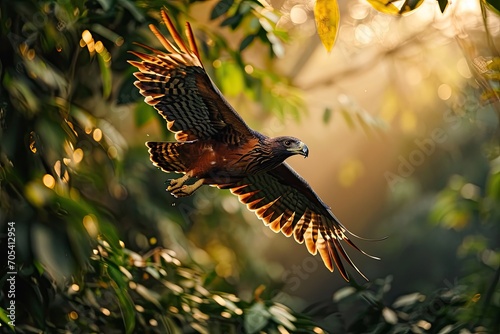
x=216, y=147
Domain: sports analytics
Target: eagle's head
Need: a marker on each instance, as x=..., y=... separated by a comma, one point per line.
x=288, y=146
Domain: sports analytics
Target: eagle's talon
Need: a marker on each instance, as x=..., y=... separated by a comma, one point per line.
x=173, y=187
x=180, y=192
x=186, y=190
x=175, y=184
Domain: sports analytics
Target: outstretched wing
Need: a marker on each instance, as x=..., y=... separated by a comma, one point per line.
x=285, y=202
x=176, y=84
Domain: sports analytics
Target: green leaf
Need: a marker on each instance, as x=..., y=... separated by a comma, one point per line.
x=52, y=249
x=153, y=272
x=46, y=73
x=348, y=119
x=363, y=121
x=493, y=186
x=232, y=21
x=133, y=9
x=149, y=295
x=244, y=8
x=389, y=316
x=106, y=4
x=256, y=318
x=283, y=316
x=107, y=33
x=343, y=293
x=327, y=115
x=221, y=8
x=4, y=319
x=327, y=17
x=124, y=300
x=21, y=93
x=246, y=42
x=104, y=59
x=407, y=300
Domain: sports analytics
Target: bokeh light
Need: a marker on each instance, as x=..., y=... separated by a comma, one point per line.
x=97, y=135
x=444, y=92
x=49, y=181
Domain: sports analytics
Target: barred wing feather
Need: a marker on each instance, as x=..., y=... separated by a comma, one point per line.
x=176, y=84
x=285, y=202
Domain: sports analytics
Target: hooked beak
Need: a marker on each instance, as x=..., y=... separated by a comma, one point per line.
x=301, y=149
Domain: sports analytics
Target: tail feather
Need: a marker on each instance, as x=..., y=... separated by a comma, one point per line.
x=168, y=155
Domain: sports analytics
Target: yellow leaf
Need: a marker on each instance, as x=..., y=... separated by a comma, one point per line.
x=384, y=6
x=327, y=17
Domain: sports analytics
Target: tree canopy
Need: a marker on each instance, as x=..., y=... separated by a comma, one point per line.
x=91, y=242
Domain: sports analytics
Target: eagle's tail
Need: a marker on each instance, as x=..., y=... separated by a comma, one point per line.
x=169, y=156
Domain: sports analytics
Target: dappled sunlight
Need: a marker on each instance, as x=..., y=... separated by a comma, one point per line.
x=400, y=117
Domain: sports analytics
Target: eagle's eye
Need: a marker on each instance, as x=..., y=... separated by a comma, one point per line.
x=288, y=142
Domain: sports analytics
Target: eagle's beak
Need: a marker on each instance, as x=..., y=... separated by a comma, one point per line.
x=301, y=149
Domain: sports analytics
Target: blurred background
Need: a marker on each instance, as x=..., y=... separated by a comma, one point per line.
x=401, y=119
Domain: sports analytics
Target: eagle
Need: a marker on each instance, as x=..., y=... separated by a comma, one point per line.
x=214, y=146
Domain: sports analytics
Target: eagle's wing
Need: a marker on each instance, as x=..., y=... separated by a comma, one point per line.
x=284, y=201
x=176, y=84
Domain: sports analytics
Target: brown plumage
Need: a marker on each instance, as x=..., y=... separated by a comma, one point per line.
x=214, y=146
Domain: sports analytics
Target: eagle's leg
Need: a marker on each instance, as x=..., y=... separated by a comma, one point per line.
x=186, y=190
x=177, y=183
x=178, y=189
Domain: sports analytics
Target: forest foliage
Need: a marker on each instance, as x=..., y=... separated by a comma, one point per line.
x=100, y=247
